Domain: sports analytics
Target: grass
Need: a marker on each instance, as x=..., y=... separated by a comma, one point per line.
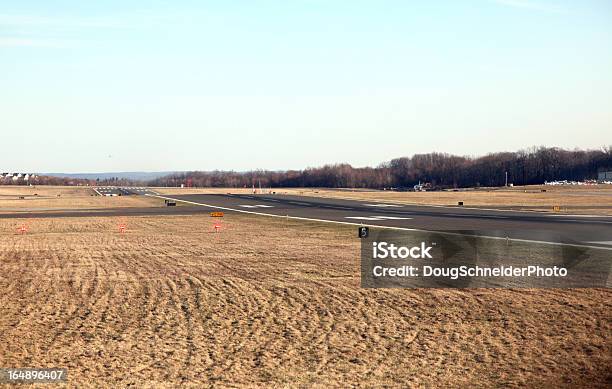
x=44, y=190
x=177, y=191
x=271, y=301
x=56, y=197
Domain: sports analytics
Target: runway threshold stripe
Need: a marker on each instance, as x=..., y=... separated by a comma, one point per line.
x=377, y=225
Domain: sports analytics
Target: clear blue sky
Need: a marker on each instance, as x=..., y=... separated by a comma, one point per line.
x=182, y=85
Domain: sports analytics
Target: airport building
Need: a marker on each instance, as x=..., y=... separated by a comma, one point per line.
x=604, y=176
x=17, y=176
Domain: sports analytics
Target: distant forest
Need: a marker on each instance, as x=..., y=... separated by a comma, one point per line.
x=525, y=167
x=67, y=181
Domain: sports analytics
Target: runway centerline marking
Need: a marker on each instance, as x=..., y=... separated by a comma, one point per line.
x=377, y=218
x=379, y=225
x=384, y=205
x=255, y=206
x=604, y=242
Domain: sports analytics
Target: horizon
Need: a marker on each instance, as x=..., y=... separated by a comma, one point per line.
x=472, y=157
x=276, y=86
x=330, y=163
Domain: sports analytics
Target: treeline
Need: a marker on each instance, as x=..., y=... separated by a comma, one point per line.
x=525, y=167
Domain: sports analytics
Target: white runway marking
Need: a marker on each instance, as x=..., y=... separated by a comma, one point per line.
x=383, y=205
x=374, y=225
x=377, y=218
x=256, y=206
x=605, y=242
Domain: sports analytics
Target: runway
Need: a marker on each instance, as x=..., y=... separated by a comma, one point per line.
x=534, y=226
x=571, y=229
x=111, y=191
x=120, y=191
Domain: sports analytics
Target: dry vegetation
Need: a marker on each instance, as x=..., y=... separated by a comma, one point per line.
x=271, y=301
x=179, y=191
x=40, y=198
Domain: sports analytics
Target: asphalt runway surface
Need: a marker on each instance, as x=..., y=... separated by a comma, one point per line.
x=536, y=226
x=120, y=191
x=572, y=229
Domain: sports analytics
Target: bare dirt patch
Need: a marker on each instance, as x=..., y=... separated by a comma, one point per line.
x=270, y=301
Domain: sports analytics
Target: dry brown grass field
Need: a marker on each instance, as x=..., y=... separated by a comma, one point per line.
x=271, y=302
x=63, y=197
x=178, y=191
x=591, y=199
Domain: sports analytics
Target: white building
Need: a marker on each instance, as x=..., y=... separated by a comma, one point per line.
x=17, y=176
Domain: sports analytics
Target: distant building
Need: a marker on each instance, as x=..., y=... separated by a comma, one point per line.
x=17, y=176
x=604, y=176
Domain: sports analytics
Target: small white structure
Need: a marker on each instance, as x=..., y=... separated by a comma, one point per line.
x=17, y=176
